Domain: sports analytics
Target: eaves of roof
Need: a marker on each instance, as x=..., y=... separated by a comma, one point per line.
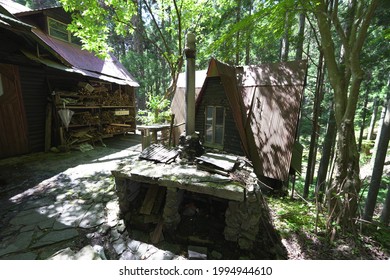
x=76, y=58
x=55, y=65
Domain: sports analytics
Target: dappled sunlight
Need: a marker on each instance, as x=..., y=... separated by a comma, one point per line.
x=61, y=201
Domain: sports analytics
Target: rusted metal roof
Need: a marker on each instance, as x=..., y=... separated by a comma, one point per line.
x=272, y=96
x=159, y=153
x=56, y=65
x=73, y=56
x=220, y=161
x=8, y=20
x=13, y=7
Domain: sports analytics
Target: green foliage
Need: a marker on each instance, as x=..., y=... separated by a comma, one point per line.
x=296, y=216
x=157, y=111
x=91, y=18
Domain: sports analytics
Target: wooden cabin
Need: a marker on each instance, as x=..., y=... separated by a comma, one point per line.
x=44, y=70
x=251, y=111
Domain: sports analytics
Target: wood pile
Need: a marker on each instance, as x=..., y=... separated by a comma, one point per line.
x=85, y=118
x=93, y=95
x=116, y=99
x=99, y=111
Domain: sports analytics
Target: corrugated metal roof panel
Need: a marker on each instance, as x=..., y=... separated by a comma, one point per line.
x=200, y=75
x=86, y=61
x=13, y=7
x=273, y=113
x=62, y=67
x=283, y=73
x=159, y=153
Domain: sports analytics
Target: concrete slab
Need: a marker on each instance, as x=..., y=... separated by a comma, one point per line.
x=186, y=177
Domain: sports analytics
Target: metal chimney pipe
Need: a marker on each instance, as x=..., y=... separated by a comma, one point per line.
x=190, y=52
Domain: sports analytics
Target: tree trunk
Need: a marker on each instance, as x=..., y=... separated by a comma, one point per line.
x=238, y=19
x=315, y=127
x=248, y=38
x=301, y=36
x=327, y=148
x=345, y=79
x=385, y=215
x=381, y=120
x=285, y=43
x=344, y=191
x=364, y=114
x=373, y=119
x=377, y=170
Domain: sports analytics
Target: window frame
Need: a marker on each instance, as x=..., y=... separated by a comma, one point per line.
x=69, y=35
x=214, y=126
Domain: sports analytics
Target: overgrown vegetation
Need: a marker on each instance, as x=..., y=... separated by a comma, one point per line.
x=157, y=110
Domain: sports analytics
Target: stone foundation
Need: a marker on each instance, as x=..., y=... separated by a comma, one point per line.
x=243, y=218
x=243, y=214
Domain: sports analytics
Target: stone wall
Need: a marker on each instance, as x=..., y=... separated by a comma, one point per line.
x=243, y=218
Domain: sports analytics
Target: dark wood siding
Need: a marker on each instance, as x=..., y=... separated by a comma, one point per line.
x=214, y=95
x=35, y=93
x=13, y=131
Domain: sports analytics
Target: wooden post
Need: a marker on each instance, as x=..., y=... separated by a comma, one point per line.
x=48, y=123
x=171, y=130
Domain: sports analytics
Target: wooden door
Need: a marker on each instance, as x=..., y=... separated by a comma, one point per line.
x=13, y=126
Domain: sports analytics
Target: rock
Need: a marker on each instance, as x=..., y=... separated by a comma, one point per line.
x=86, y=253
x=119, y=246
x=64, y=254
x=55, y=237
x=197, y=253
x=89, y=253
x=18, y=243
x=129, y=255
x=133, y=245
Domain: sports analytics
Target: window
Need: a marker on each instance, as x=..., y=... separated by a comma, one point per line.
x=215, y=123
x=59, y=30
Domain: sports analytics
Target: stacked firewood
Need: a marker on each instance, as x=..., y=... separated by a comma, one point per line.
x=116, y=99
x=85, y=118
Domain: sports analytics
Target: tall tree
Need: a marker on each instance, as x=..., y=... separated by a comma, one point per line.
x=326, y=155
x=380, y=157
x=318, y=96
x=300, y=37
x=285, y=41
x=373, y=119
x=345, y=77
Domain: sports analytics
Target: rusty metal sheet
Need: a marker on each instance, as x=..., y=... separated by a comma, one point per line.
x=74, y=56
x=220, y=161
x=159, y=153
x=13, y=7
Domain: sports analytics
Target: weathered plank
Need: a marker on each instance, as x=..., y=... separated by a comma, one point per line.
x=156, y=235
x=221, y=161
x=159, y=153
x=149, y=200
